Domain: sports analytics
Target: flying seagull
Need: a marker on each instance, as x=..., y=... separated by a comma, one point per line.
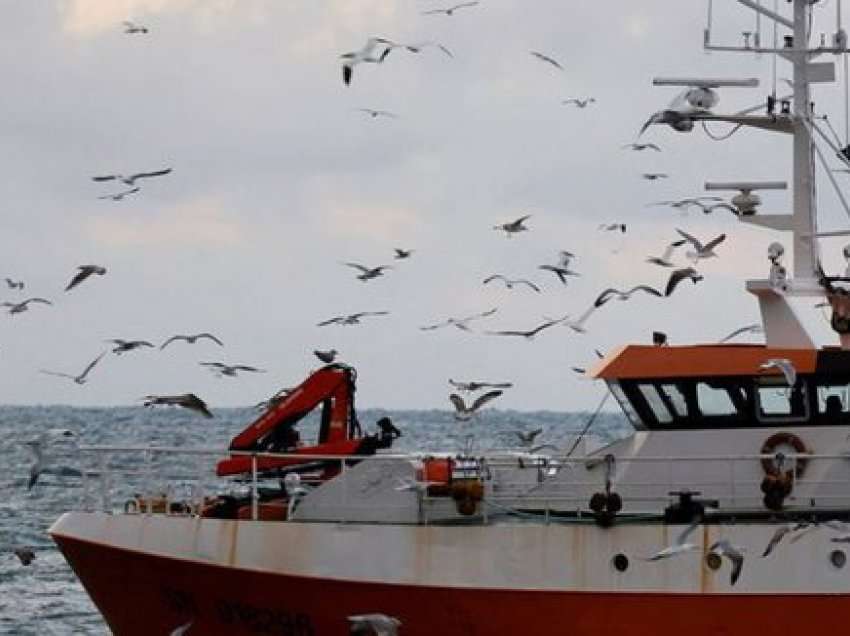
x=664, y=259
x=641, y=147
x=562, y=269
x=192, y=339
x=401, y=254
x=417, y=47
x=374, y=114
x=449, y=11
x=679, y=114
x=11, y=284
x=679, y=546
x=701, y=251
x=706, y=204
x=780, y=534
x=230, y=370
x=374, y=624
x=754, y=329
x=364, y=55
x=511, y=282
x=514, y=226
x=731, y=552
x=84, y=272
x=527, y=439
x=17, y=308
x=187, y=401
x=326, y=356
x=613, y=227
x=351, y=319
x=679, y=275
x=472, y=387
x=547, y=59
x=119, y=196
x=132, y=27
x=130, y=180
x=121, y=346
x=655, y=176
x=611, y=292
x=80, y=379
x=579, y=103
x=526, y=334
x=578, y=324
x=464, y=412
x=460, y=323
x=789, y=372
x=368, y=273
x=40, y=464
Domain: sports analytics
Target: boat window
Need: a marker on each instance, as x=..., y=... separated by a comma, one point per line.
x=625, y=404
x=777, y=401
x=715, y=401
x=675, y=399
x=655, y=403
x=834, y=403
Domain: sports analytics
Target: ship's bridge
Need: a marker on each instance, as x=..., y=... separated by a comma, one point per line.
x=726, y=386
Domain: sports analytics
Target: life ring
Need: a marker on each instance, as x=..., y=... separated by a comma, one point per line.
x=784, y=439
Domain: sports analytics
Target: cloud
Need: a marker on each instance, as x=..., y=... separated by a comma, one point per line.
x=386, y=224
x=200, y=222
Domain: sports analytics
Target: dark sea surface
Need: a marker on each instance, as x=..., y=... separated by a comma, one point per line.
x=46, y=598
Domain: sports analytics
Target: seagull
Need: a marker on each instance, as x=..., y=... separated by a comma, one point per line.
x=754, y=329
x=132, y=27
x=731, y=552
x=613, y=227
x=79, y=379
x=460, y=323
x=706, y=204
x=374, y=114
x=122, y=346
x=230, y=370
x=15, y=284
x=450, y=10
x=191, y=339
x=806, y=527
x=514, y=226
x=510, y=282
x=276, y=399
x=84, y=272
x=578, y=325
x=326, y=356
x=655, y=176
x=119, y=196
x=471, y=387
x=187, y=401
x=368, y=273
x=401, y=254
x=579, y=103
x=366, y=54
x=130, y=180
x=784, y=365
x=464, y=412
x=25, y=555
x=417, y=48
x=779, y=534
x=702, y=251
x=18, y=308
x=679, y=546
x=664, y=259
x=351, y=319
x=679, y=114
x=526, y=334
x=562, y=269
x=610, y=293
x=679, y=275
x=527, y=439
x=547, y=59
x=641, y=147
x=376, y=624
x=37, y=448
x=687, y=202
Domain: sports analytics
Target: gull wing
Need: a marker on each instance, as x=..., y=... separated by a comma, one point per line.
x=678, y=276
x=92, y=364
x=243, y=367
x=329, y=321
x=715, y=242
x=490, y=279
x=346, y=73
x=58, y=374
x=172, y=339
x=78, y=278
x=458, y=403
x=209, y=336
x=145, y=175
x=776, y=538
x=483, y=399
x=43, y=301
x=362, y=268
x=683, y=536
x=217, y=365
x=547, y=59
x=644, y=288
x=109, y=177
x=755, y=328
x=691, y=239
x=522, y=281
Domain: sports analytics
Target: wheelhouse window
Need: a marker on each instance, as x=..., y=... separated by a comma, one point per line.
x=833, y=401
x=777, y=402
x=717, y=401
x=655, y=403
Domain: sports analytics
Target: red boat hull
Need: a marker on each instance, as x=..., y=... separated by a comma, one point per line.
x=145, y=594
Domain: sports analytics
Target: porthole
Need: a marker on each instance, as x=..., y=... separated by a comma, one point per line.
x=838, y=558
x=713, y=561
x=620, y=562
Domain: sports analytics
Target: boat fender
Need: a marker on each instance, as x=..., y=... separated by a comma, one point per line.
x=771, y=466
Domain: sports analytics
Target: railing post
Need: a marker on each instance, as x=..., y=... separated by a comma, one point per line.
x=105, y=503
x=254, y=502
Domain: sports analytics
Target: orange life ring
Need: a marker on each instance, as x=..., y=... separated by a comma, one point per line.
x=783, y=439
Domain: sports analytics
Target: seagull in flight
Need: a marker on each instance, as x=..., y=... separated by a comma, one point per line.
x=460, y=323
x=679, y=275
x=229, y=370
x=700, y=250
x=664, y=259
x=119, y=196
x=679, y=546
x=374, y=624
x=122, y=346
x=789, y=372
x=511, y=282
x=192, y=339
x=641, y=147
x=613, y=227
x=731, y=552
x=187, y=401
x=472, y=387
x=513, y=227
x=11, y=284
x=80, y=379
x=527, y=439
x=526, y=334
x=754, y=329
x=130, y=180
x=679, y=114
x=562, y=269
x=450, y=11
x=18, y=308
x=84, y=272
x=417, y=47
x=40, y=464
x=351, y=319
x=780, y=533
x=655, y=176
x=464, y=412
x=611, y=292
x=368, y=273
x=401, y=254
x=374, y=114
x=578, y=325
x=549, y=60
x=364, y=55
x=579, y=103
x=132, y=27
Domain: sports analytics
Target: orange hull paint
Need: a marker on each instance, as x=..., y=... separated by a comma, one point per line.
x=143, y=594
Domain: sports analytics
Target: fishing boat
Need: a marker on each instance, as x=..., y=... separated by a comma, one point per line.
x=724, y=512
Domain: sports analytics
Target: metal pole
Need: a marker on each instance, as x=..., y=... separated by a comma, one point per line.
x=254, y=503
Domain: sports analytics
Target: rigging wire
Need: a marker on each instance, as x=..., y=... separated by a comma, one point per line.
x=589, y=423
x=723, y=137
x=775, y=43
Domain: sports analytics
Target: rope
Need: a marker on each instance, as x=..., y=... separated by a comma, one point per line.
x=711, y=135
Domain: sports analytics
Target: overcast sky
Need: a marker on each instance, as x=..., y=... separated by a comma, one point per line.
x=278, y=179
